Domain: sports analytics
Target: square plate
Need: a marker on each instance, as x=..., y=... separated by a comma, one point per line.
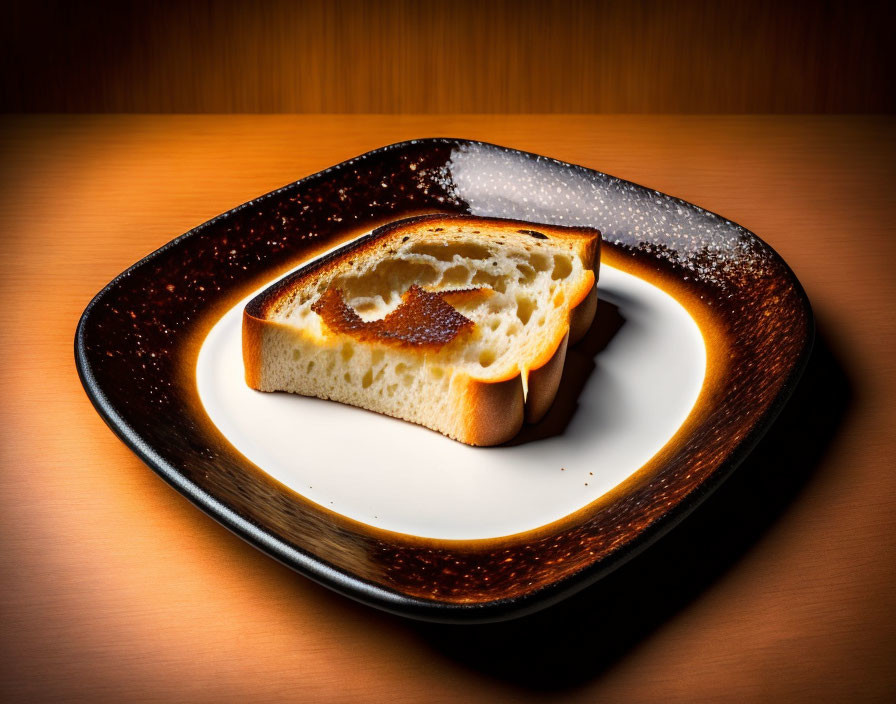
x=143, y=344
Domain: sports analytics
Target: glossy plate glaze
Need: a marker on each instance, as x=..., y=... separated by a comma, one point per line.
x=618, y=406
x=722, y=327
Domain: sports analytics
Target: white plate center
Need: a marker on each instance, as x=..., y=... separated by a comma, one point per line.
x=401, y=477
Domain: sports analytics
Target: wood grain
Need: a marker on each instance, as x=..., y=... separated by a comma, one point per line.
x=402, y=56
x=114, y=588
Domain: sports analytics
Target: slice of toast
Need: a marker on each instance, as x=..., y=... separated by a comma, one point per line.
x=454, y=322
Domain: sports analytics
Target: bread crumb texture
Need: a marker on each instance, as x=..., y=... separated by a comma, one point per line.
x=320, y=331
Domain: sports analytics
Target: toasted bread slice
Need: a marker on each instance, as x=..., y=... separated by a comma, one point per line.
x=454, y=322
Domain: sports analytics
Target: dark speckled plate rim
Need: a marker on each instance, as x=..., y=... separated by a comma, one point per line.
x=369, y=593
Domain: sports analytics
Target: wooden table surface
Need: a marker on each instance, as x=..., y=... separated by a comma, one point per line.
x=115, y=588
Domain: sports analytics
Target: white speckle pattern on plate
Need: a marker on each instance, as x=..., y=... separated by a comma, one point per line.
x=137, y=345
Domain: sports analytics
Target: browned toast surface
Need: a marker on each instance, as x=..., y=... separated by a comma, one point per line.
x=445, y=296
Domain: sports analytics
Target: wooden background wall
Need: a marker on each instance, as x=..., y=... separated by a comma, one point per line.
x=474, y=56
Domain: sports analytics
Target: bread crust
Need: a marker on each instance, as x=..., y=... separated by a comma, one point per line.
x=544, y=376
x=253, y=334
x=581, y=317
x=488, y=411
x=544, y=382
x=492, y=412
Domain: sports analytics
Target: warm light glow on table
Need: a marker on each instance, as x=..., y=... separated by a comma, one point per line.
x=115, y=588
